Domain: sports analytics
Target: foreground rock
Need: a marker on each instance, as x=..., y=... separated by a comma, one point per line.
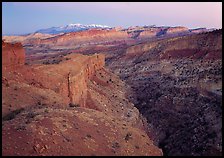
x=13, y=55
x=60, y=132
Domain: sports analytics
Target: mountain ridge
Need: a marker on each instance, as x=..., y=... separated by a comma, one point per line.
x=71, y=28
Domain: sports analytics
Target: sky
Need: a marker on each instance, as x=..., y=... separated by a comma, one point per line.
x=28, y=17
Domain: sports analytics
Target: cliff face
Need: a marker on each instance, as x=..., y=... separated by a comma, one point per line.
x=85, y=37
x=197, y=46
x=77, y=84
x=69, y=78
x=71, y=81
x=176, y=29
x=139, y=49
x=26, y=39
x=150, y=33
x=13, y=55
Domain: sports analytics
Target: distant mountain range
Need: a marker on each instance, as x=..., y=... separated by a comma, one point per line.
x=71, y=28
x=135, y=30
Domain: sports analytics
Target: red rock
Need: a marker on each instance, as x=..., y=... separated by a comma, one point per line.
x=85, y=37
x=13, y=55
x=177, y=29
x=152, y=32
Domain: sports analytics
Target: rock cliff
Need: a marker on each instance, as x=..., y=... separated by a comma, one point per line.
x=196, y=46
x=85, y=37
x=177, y=29
x=152, y=32
x=13, y=55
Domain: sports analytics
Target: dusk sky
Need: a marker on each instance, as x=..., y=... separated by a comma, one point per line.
x=27, y=17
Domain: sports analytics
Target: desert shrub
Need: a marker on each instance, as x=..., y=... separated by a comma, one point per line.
x=46, y=62
x=115, y=145
x=31, y=115
x=21, y=128
x=56, y=61
x=128, y=136
x=12, y=115
x=136, y=146
x=67, y=58
x=73, y=105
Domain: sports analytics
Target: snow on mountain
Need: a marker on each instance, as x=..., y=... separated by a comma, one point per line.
x=71, y=28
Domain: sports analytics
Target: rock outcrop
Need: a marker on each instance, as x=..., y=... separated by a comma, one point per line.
x=77, y=82
x=152, y=32
x=26, y=39
x=13, y=55
x=197, y=46
x=178, y=29
x=85, y=37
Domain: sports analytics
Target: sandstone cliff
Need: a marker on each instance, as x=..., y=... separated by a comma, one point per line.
x=85, y=37
x=26, y=39
x=197, y=46
x=152, y=32
x=177, y=29
x=13, y=55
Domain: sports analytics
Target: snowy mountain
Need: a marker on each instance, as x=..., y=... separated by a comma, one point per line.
x=71, y=28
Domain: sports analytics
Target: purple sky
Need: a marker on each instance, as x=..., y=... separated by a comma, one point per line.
x=26, y=17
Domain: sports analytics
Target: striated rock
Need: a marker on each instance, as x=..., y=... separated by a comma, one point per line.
x=77, y=81
x=152, y=32
x=13, y=55
x=84, y=37
x=26, y=39
x=139, y=49
x=67, y=79
x=199, y=30
x=197, y=46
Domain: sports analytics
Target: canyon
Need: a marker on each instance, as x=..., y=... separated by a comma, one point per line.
x=141, y=90
x=177, y=85
x=49, y=109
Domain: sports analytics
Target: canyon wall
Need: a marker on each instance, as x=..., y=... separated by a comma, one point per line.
x=152, y=32
x=197, y=46
x=77, y=84
x=85, y=37
x=177, y=85
x=178, y=29
x=67, y=79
